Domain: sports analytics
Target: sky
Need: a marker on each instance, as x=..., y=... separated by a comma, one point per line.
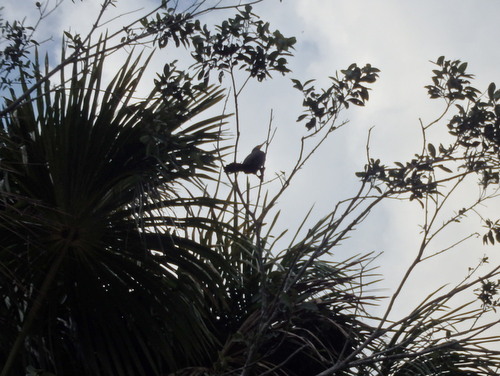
x=400, y=38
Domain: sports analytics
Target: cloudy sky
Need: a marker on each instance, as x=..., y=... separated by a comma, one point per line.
x=400, y=38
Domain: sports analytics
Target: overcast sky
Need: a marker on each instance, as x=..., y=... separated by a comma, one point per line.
x=400, y=38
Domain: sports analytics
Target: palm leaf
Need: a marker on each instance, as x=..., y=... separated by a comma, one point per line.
x=80, y=166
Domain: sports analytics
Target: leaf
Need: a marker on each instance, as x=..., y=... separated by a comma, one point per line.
x=297, y=84
x=432, y=150
x=444, y=168
x=364, y=94
x=87, y=159
x=491, y=238
x=491, y=90
x=462, y=67
x=311, y=123
x=356, y=101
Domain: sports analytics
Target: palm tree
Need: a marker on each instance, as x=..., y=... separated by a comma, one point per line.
x=94, y=278
x=110, y=264
x=288, y=312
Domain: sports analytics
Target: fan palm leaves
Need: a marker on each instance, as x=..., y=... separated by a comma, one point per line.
x=93, y=277
x=286, y=314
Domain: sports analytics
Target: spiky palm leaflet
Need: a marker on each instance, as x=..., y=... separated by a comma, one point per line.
x=93, y=278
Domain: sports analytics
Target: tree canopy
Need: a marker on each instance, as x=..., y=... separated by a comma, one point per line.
x=127, y=249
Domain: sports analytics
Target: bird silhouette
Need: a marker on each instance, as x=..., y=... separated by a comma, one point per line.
x=252, y=164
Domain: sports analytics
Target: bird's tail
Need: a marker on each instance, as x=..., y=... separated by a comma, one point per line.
x=233, y=167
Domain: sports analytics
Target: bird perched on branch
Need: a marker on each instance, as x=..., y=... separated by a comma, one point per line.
x=252, y=164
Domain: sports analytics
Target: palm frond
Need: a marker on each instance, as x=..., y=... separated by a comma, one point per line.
x=80, y=166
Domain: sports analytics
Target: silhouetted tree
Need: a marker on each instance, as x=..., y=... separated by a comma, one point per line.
x=127, y=250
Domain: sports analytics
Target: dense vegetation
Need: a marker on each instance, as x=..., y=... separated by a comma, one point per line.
x=123, y=252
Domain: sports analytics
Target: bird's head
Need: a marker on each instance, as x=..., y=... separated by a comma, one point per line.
x=259, y=146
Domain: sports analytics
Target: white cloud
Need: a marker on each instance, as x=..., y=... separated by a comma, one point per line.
x=400, y=38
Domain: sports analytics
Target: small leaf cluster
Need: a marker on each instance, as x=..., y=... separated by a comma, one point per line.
x=488, y=293
x=493, y=233
x=243, y=41
x=321, y=106
x=178, y=88
x=451, y=81
x=180, y=95
x=171, y=25
x=17, y=40
x=73, y=41
x=476, y=125
x=415, y=177
x=475, y=128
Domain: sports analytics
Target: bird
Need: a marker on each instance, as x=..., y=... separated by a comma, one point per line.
x=252, y=164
